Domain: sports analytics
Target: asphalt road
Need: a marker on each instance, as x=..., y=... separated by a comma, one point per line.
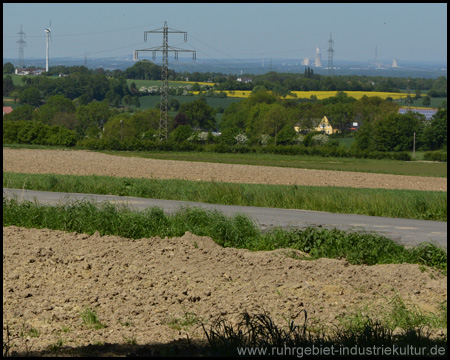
x=405, y=231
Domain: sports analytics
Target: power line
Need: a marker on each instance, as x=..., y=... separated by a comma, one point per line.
x=165, y=49
x=90, y=33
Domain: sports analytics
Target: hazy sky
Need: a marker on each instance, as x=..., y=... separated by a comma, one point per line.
x=232, y=31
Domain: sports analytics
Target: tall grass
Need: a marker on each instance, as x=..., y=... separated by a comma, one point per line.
x=408, y=204
x=237, y=231
x=258, y=335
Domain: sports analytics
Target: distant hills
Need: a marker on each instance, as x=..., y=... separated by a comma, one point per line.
x=413, y=69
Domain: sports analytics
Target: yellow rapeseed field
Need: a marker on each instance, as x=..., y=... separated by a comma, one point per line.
x=320, y=94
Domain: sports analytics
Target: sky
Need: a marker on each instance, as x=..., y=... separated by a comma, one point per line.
x=412, y=32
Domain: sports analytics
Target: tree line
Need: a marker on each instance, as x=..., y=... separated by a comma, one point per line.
x=84, y=106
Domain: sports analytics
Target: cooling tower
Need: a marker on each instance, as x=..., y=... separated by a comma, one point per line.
x=318, y=62
x=394, y=63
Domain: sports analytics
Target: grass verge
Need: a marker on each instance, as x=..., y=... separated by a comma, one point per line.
x=407, y=204
x=237, y=231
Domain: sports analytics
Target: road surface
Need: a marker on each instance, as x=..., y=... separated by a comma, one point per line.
x=405, y=231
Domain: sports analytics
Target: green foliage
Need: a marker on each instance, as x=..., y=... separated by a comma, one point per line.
x=24, y=112
x=35, y=132
x=181, y=133
x=145, y=70
x=435, y=132
x=8, y=85
x=391, y=132
x=8, y=68
x=30, y=96
x=435, y=156
x=200, y=114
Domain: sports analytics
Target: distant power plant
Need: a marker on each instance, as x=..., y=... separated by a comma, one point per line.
x=305, y=62
x=318, y=61
x=394, y=63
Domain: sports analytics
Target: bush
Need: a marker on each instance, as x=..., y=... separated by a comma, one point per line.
x=435, y=156
x=403, y=156
x=37, y=133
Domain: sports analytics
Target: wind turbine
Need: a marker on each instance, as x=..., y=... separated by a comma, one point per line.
x=48, y=33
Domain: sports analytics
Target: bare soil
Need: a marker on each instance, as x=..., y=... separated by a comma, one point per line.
x=89, y=163
x=156, y=292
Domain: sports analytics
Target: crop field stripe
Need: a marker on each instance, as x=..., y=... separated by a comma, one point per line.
x=407, y=204
x=393, y=167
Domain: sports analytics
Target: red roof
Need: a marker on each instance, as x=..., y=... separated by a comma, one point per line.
x=7, y=109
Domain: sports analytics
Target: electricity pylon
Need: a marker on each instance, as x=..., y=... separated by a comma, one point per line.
x=22, y=43
x=165, y=48
x=330, y=56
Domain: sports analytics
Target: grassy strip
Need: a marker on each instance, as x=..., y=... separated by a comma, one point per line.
x=238, y=231
x=407, y=204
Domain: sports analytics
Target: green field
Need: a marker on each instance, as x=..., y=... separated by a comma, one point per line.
x=150, y=101
x=148, y=83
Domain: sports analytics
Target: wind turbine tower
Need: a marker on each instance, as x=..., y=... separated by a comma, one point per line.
x=48, y=33
x=22, y=43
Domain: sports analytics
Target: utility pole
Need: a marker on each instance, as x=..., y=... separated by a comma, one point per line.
x=330, y=56
x=22, y=43
x=408, y=97
x=165, y=48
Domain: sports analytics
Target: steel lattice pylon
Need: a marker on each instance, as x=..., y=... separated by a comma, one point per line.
x=164, y=107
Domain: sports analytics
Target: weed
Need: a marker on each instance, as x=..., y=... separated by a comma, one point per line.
x=188, y=320
x=90, y=318
x=57, y=345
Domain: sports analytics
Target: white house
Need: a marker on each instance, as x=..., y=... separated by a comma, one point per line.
x=244, y=79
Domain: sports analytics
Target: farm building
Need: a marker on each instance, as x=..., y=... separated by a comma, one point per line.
x=25, y=71
x=428, y=113
x=319, y=125
x=7, y=110
x=244, y=79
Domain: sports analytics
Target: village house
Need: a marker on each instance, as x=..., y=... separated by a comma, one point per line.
x=322, y=125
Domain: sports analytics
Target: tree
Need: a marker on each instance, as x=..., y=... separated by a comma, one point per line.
x=426, y=101
x=395, y=132
x=55, y=104
x=181, y=133
x=24, y=112
x=286, y=135
x=199, y=114
x=135, y=101
x=95, y=114
x=174, y=104
x=8, y=85
x=8, y=68
x=274, y=120
x=30, y=96
x=133, y=89
x=435, y=133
